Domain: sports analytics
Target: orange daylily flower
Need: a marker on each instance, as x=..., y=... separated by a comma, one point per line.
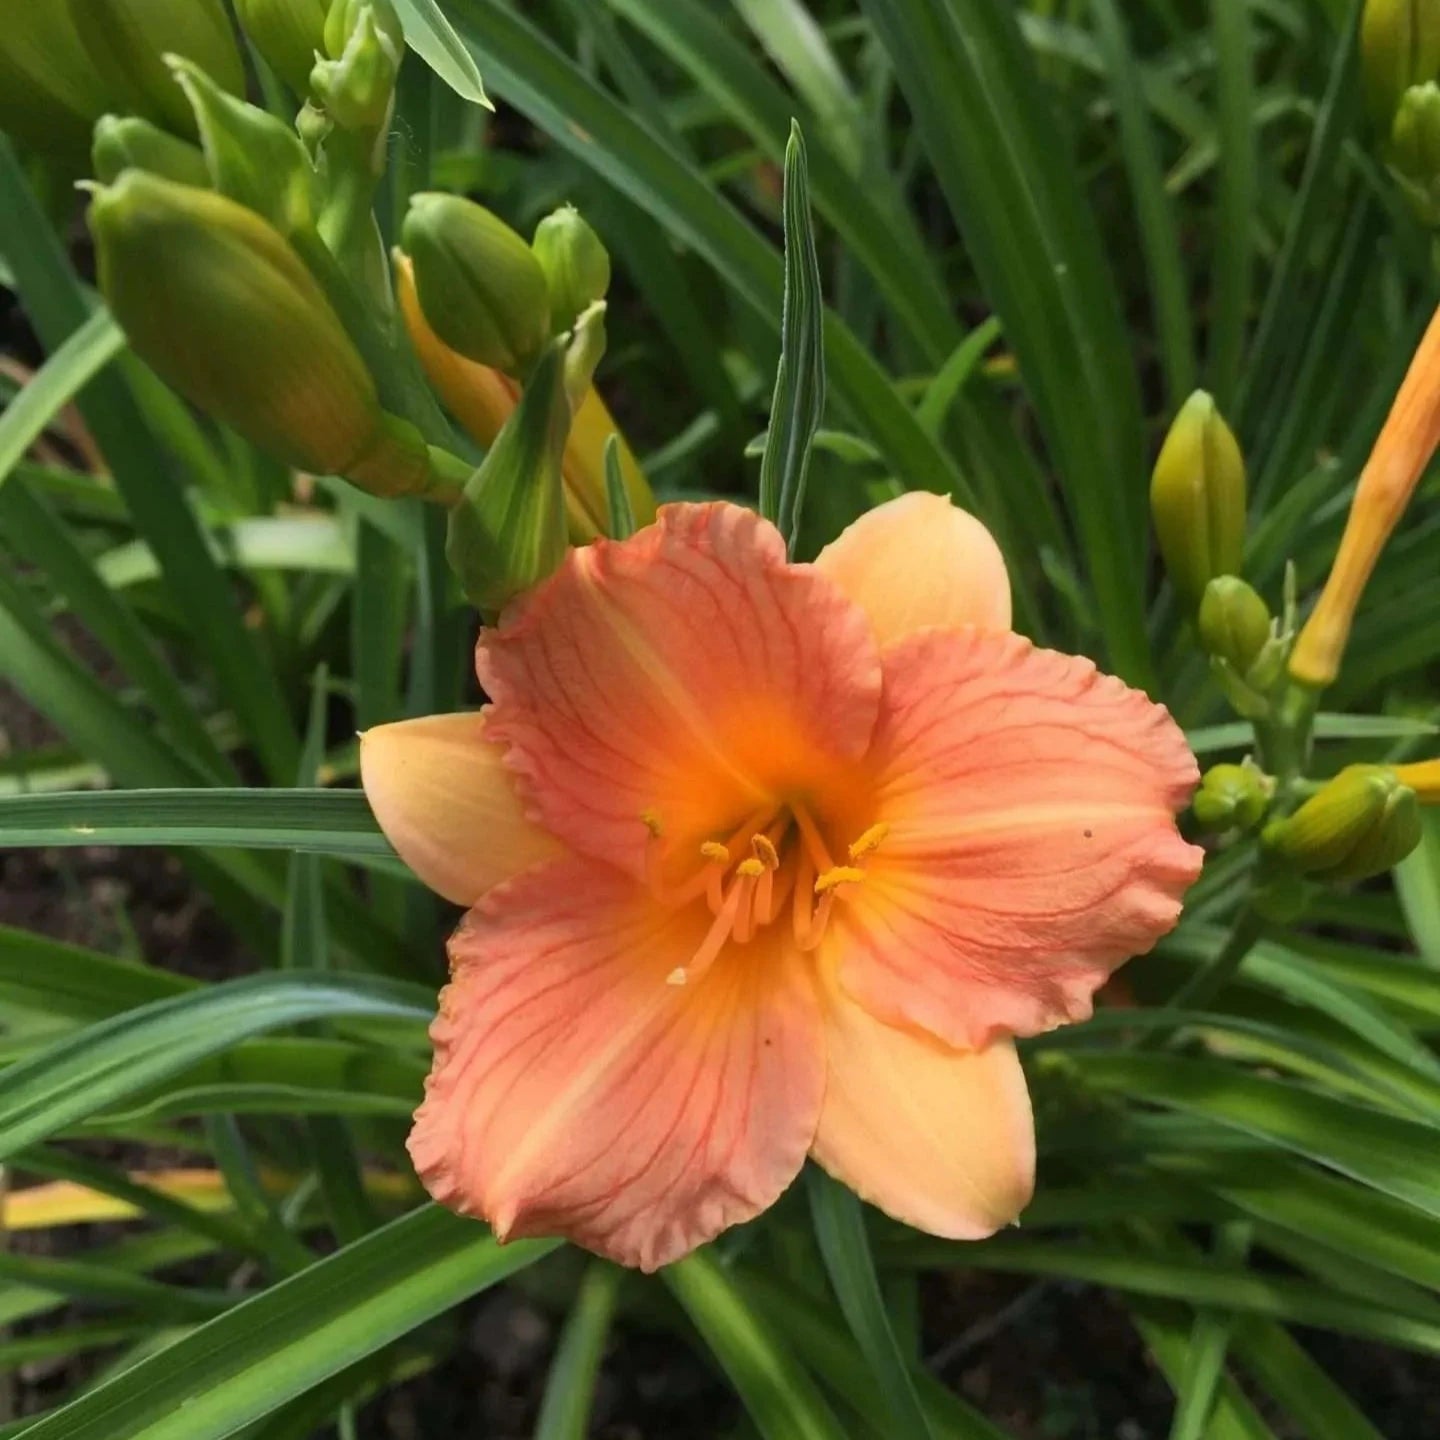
x=767, y=861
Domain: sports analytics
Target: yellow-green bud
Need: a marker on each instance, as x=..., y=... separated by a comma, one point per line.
x=1414, y=150
x=345, y=17
x=129, y=143
x=1399, y=47
x=1232, y=797
x=576, y=265
x=288, y=33
x=508, y=531
x=50, y=92
x=1359, y=824
x=1197, y=499
x=355, y=84
x=480, y=285
x=1234, y=622
x=128, y=40
x=222, y=308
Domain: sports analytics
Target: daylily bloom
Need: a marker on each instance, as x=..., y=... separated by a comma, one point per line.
x=767, y=861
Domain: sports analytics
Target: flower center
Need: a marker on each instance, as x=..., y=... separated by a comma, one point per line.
x=778, y=856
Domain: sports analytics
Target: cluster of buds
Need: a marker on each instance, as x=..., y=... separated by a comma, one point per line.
x=1400, y=61
x=242, y=257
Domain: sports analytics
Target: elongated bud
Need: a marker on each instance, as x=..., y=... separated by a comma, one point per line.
x=1403, y=449
x=1399, y=47
x=355, y=80
x=1414, y=150
x=576, y=265
x=482, y=399
x=480, y=285
x=128, y=39
x=50, y=92
x=221, y=307
x=1234, y=622
x=288, y=33
x=508, y=531
x=251, y=157
x=129, y=143
x=1232, y=797
x=1423, y=777
x=1360, y=824
x=1197, y=499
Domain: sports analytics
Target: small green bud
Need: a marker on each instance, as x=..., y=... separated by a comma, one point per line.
x=50, y=92
x=480, y=285
x=509, y=531
x=1414, y=150
x=251, y=157
x=576, y=265
x=1197, y=499
x=1233, y=797
x=1234, y=622
x=128, y=39
x=223, y=309
x=1399, y=47
x=355, y=84
x=1359, y=824
x=129, y=143
x=288, y=33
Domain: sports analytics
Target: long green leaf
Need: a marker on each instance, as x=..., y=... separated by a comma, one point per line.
x=431, y=36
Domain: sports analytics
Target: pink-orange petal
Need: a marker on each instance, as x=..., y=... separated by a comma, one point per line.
x=575, y=1092
x=1032, y=846
x=688, y=673
x=941, y=1139
x=919, y=561
x=442, y=795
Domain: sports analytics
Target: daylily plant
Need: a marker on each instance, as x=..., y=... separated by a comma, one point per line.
x=765, y=861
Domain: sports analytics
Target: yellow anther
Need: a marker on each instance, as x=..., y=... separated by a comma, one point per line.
x=838, y=875
x=651, y=821
x=765, y=852
x=751, y=868
x=870, y=840
x=714, y=850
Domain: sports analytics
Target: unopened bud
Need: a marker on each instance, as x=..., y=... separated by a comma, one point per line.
x=1197, y=499
x=508, y=531
x=1234, y=622
x=1399, y=47
x=1232, y=797
x=251, y=157
x=355, y=81
x=1414, y=150
x=1359, y=824
x=576, y=265
x=480, y=285
x=288, y=33
x=128, y=40
x=221, y=307
x=129, y=143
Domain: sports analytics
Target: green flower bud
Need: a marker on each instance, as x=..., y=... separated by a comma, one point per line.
x=251, y=157
x=1233, y=797
x=1197, y=499
x=1399, y=47
x=1414, y=150
x=576, y=265
x=129, y=143
x=50, y=92
x=1359, y=824
x=222, y=308
x=355, y=85
x=480, y=285
x=509, y=532
x=288, y=33
x=128, y=40
x=1234, y=622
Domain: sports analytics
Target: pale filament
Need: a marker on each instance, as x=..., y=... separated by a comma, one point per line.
x=779, y=867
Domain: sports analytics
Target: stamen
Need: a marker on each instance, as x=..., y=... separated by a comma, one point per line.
x=751, y=869
x=814, y=841
x=714, y=850
x=765, y=851
x=870, y=840
x=838, y=875
x=651, y=821
x=721, y=928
